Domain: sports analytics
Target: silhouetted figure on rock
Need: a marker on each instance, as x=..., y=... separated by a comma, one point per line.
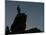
x=7, y=30
x=19, y=23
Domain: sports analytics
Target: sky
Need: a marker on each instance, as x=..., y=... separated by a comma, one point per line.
x=34, y=12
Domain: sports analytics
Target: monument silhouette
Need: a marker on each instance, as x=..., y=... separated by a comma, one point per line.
x=19, y=23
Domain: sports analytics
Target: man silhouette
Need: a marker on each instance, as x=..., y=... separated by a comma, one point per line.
x=19, y=23
x=7, y=30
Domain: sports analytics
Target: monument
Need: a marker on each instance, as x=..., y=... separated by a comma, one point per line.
x=19, y=23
